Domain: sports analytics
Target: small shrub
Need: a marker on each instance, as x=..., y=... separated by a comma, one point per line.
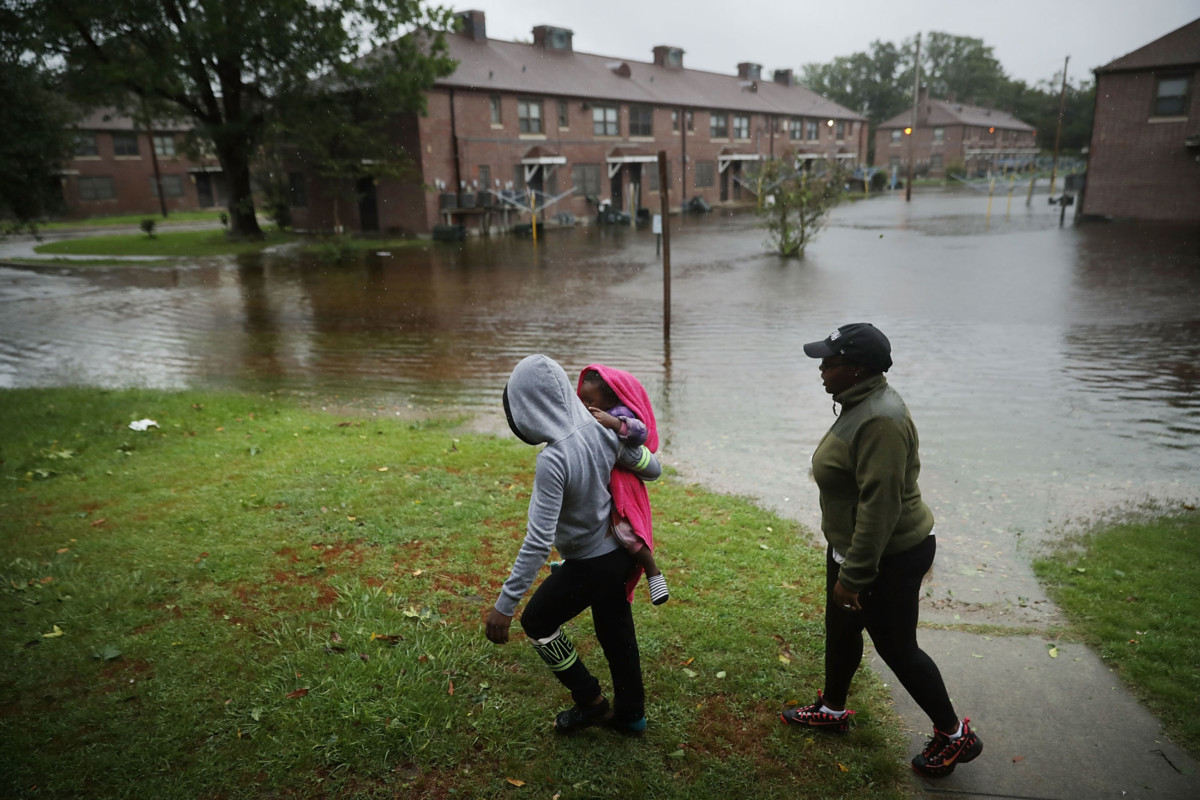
x=148, y=226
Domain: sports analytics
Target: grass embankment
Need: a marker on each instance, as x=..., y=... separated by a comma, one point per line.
x=257, y=599
x=174, y=244
x=133, y=220
x=1131, y=590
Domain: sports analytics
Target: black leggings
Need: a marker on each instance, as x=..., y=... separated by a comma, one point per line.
x=600, y=583
x=889, y=613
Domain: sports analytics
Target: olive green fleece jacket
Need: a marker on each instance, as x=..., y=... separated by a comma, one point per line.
x=866, y=468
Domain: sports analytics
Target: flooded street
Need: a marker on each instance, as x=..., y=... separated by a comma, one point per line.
x=1053, y=373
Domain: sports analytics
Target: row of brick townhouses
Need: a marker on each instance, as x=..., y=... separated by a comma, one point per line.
x=950, y=134
x=1144, y=157
x=113, y=169
x=582, y=130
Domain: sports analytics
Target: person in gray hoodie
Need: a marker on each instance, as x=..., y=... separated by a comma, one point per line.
x=570, y=509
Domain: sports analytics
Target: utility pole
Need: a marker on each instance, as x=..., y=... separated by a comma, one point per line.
x=913, y=135
x=1062, y=102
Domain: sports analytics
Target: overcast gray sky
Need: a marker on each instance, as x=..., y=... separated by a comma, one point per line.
x=1030, y=38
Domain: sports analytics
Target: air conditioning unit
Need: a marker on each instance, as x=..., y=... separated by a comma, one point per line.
x=1192, y=142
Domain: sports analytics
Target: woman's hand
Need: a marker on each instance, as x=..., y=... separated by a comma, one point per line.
x=845, y=598
x=498, y=624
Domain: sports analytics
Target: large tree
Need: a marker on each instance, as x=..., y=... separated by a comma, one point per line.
x=35, y=134
x=232, y=66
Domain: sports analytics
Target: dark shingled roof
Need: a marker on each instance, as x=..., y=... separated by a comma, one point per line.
x=494, y=65
x=1179, y=48
x=943, y=113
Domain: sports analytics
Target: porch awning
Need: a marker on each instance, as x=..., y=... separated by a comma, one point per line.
x=726, y=157
x=628, y=155
x=539, y=157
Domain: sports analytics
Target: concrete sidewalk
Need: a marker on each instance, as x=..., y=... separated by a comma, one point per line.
x=1058, y=728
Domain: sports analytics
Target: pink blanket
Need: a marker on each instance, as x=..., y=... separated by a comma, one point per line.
x=630, y=499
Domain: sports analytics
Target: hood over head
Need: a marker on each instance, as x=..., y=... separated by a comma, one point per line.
x=539, y=402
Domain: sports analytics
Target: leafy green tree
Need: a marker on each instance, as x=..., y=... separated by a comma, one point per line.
x=793, y=203
x=35, y=134
x=960, y=67
x=865, y=82
x=235, y=67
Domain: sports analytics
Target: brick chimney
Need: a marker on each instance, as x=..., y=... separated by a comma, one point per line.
x=548, y=37
x=668, y=57
x=749, y=71
x=785, y=77
x=473, y=24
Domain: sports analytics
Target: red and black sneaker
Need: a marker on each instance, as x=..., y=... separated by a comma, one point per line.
x=942, y=754
x=812, y=716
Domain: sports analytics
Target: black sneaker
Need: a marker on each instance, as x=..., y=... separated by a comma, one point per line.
x=942, y=754
x=811, y=716
x=577, y=717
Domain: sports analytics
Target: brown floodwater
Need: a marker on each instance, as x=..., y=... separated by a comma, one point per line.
x=1053, y=373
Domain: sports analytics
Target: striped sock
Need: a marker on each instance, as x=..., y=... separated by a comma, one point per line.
x=658, y=589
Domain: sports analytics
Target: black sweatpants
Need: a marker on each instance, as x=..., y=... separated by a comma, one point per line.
x=599, y=583
x=890, y=607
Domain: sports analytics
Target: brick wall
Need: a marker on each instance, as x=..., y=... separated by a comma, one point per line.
x=1138, y=166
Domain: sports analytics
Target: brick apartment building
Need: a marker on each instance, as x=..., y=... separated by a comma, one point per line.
x=1144, y=159
x=951, y=134
x=113, y=170
x=582, y=129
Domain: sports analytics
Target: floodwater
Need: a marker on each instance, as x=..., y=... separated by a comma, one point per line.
x=1053, y=373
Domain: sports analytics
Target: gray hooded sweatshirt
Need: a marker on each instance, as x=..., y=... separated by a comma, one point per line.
x=570, y=507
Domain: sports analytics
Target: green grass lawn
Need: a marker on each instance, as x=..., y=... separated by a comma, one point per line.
x=258, y=599
x=133, y=220
x=173, y=244
x=1132, y=591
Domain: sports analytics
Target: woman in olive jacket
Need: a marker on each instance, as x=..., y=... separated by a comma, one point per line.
x=881, y=545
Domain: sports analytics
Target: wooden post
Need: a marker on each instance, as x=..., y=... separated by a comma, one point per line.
x=533, y=214
x=1062, y=99
x=665, y=203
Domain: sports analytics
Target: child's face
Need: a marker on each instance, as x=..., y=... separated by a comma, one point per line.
x=595, y=395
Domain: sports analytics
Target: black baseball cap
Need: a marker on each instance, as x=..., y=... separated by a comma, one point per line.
x=860, y=342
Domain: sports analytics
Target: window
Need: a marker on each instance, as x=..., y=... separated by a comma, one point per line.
x=529, y=116
x=485, y=176
x=675, y=120
x=125, y=144
x=896, y=136
x=705, y=172
x=795, y=129
x=518, y=177
x=605, y=121
x=1171, y=96
x=741, y=126
x=586, y=179
x=172, y=186
x=494, y=103
x=563, y=119
x=85, y=144
x=718, y=125
x=97, y=188
x=690, y=118
x=641, y=121
x=939, y=134
x=297, y=190
x=841, y=130
x=650, y=176
x=164, y=145
x=935, y=161
x=894, y=162
x=810, y=129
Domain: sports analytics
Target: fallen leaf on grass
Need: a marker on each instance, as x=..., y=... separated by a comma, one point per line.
x=689, y=661
x=97, y=523
x=515, y=782
x=1052, y=651
x=296, y=694
x=1018, y=758
x=843, y=767
x=690, y=673
x=784, y=660
x=451, y=689
x=56, y=632
x=390, y=638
